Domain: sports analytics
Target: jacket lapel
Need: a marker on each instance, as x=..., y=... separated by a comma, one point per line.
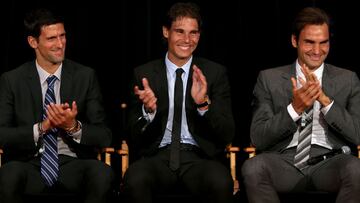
x=66, y=84
x=160, y=79
x=327, y=84
x=286, y=83
x=188, y=99
x=35, y=89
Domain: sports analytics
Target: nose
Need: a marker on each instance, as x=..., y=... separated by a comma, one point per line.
x=316, y=48
x=187, y=37
x=60, y=42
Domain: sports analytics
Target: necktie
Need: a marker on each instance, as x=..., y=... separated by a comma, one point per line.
x=176, y=127
x=304, y=141
x=49, y=158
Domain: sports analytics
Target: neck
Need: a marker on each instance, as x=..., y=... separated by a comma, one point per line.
x=49, y=67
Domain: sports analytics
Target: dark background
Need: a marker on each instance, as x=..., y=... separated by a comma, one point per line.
x=114, y=37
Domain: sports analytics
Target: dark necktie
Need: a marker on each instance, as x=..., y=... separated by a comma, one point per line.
x=176, y=127
x=49, y=157
x=304, y=141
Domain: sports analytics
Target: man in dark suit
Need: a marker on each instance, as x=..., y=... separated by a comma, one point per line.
x=307, y=96
x=206, y=124
x=70, y=111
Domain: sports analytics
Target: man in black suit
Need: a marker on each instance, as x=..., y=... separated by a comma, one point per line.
x=74, y=116
x=207, y=124
x=304, y=110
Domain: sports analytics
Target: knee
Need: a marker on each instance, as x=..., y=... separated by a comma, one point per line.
x=135, y=178
x=101, y=175
x=11, y=172
x=352, y=171
x=253, y=168
x=217, y=179
x=222, y=183
x=12, y=176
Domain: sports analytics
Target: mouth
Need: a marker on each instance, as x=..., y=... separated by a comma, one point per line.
x=184, y=47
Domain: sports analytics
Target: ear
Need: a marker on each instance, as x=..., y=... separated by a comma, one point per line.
x=165, y=32
x=32, y=42
x=294, y=41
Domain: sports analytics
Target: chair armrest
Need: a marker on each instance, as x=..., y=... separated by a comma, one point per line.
x=231, y=153
x=251, y=151
x=124, y=152
x=107, y=151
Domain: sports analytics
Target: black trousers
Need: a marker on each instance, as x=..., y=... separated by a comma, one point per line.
x=90, y=178
x=205, y=178
x=269, y=173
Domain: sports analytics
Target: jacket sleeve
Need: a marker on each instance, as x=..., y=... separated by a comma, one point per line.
x=270, y=127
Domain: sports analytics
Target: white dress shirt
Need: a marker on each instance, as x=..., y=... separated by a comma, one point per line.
x=319, y=126
x=43, y=75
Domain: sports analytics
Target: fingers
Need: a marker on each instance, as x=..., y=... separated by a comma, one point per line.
x=53, y=114
x=199, y=85
x=145, y=83
x=61, y=115
x=306, y=72
x=74, y=108
x=146, y=95
x=198, y=75
x=294, y=83
x=310, y=76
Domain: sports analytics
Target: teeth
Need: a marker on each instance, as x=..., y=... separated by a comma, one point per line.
x=184, y=48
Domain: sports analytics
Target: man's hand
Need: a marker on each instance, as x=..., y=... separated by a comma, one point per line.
x=61, y=116
x=323, y=99
x=199, y=86
x=304, y=97
x=147, y=96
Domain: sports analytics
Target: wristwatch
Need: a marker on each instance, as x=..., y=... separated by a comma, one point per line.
x=74, y=129
x=207, y=102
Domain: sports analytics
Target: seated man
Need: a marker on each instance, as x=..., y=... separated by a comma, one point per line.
x=176, y=130
x=302, y=111
x=51, y=120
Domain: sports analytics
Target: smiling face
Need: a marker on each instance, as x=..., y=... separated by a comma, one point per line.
x=182, y=37
x=313, y=45
x=50, y=45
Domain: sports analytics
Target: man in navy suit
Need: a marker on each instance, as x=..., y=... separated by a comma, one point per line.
x=207, y=124
x=75, y=112
x=283, y=97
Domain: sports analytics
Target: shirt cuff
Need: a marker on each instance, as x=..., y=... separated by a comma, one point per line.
x=202, y=112
x=36, y=133
x=148, y=116
x=326, y=109
x=293, y=113
x=77, y=135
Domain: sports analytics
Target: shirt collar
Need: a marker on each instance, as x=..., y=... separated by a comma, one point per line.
x=171, y=67
x=44, y=75
x=318, y=72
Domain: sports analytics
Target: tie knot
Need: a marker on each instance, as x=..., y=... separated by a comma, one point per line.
x=50, y=80
x=179, y=72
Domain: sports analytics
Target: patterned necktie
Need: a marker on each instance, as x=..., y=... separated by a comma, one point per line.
x=49, y=157
x=304, y=141
x=176, y=127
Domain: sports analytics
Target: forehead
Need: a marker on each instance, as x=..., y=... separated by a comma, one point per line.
x=315, y=30
x=53, y=28
x=182, y=22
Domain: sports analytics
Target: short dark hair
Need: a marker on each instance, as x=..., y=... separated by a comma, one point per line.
x=181, y=9
x=37, y=18
x=309, y=16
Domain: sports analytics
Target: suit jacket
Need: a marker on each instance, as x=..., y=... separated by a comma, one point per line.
x=212, y=131
x=21, y=107
x=272, y=127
